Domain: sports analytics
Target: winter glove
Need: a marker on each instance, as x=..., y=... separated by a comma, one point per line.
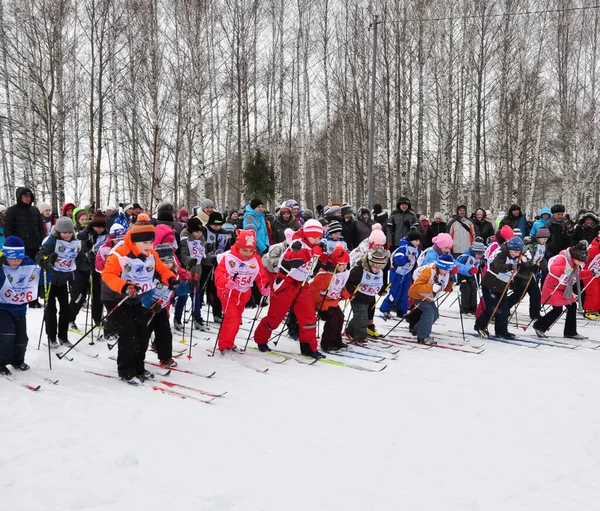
x=436, y=288
x=53, y=257
x=265, y=290
x=473, y=270
x=323, y=245
x=382, y=291
x=596, y=273
x=91, y=259
x=296, y=246
x=192, y=262
x=231, y=285
x=454, y=270
x=526, y=266
x=130, y=290
x=173, y=283
x=317, y=250
x=535, y=268
x=156, y=307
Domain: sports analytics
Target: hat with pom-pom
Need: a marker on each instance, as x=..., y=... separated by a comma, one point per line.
x=377, y=237
x=339, y=255
x=142, y=230
x=443, y=240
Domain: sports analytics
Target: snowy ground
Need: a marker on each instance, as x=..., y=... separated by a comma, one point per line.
x=510, y=429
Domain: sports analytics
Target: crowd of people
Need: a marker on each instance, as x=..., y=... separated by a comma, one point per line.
x=139, y=270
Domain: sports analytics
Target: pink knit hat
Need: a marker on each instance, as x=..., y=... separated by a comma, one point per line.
x=377, y=237
x=443, y=240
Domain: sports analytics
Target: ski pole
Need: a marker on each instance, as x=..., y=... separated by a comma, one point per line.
x=411, y=312
x=207, y=293
x=61, y=356
x=46, y=294
x=513, y=273
x=521, y=299
x=256, y=316
x=462, y=326
x=221, y=325
x=308, y=274
x=351, y=310
x=547, y=300
x=194, y=290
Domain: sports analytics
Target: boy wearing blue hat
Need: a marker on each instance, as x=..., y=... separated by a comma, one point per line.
x=19, y=281
x=495, y=283
x=429, y=281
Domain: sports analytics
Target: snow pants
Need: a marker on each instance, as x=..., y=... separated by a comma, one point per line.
x=397, y=298
x=131, y=322
x=592, y=295
x=60, y=294
x=234, y=303
x=163, y=337
x=501, y=317
x=545, y=322
x=535, y=295
x=357, y=326
x=79, y=293
x=332, y=330
x=280, y=303
x=429, y=315
x=468, y=294
x=13, y=338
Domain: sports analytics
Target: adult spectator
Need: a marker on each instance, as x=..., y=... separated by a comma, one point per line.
x=67, y=209
x=295, y=208
x=587, y=227
x=25, y=221
x=363, y=225
x=400, y=222
x=111, y=212
x=254, y=218
x=183, y=217
x=462, y=231
x=48, y=218
x=204, y=210
x=283, y=221
x=545, y=214
x=425, y=223
x=437, y=227
x=349, y=227
x=516, y=219
x=562, y=232
x=165, y=214
x=137, y=209
x=483, y=227
x=332, y=213
x=380, y=217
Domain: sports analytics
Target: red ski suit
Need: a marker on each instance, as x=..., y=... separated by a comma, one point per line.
x=592, y=293
x=243, y=272
x=295, y=268
x=553, y=290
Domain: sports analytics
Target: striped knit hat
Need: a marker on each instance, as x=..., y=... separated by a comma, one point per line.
x=142, y=230
x=378, y=259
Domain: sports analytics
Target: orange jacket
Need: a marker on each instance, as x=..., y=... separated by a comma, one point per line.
x=320, y=284
x=111, y=275
x=422, y=288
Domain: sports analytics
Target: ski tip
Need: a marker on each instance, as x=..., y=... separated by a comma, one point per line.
x=382, y=368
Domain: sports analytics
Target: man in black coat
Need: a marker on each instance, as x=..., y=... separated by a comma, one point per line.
x=349, y=227
x=562, y=232
x=400, y=223
x=25, y=221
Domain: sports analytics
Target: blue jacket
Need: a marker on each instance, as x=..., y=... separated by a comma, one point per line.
x=256, y=221
x=15, y=309
x=400, y=257
x=468, y=259
x=431, y=256
x=538, y=224
x=2, y=238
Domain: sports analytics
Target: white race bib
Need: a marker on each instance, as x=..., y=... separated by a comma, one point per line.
x=196, y=249
x=67, y=253
x=138, y=272
x=243, y=273
x=371, y=283
x=20, y=285
x=337, y=285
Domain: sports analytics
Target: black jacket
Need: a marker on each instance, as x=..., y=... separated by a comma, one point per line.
x=278, y=228
x=583, y=232
x=350, y=233
x=483, y=228
x=433, y=230
x=562, y=236
x=25, y=221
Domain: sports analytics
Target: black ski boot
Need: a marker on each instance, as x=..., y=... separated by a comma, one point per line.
x=263, y=348
x=4, y=371
x=21, y=367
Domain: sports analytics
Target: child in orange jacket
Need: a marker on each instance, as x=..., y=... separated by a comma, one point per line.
x=327, y=289
x=236, y=272
x=130, y=272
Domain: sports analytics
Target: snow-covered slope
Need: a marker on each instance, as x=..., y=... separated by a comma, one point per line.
x=509, y=429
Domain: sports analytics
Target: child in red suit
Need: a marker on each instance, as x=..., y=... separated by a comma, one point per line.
x=235, y=274
x=290, y=292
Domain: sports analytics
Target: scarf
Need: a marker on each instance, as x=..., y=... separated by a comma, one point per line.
x=571, y=279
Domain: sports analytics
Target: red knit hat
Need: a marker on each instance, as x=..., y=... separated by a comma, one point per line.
x=245, y=239
x=339, y=255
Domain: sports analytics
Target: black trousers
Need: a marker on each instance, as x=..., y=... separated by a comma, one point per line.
x=545, y=322
x=132, y=324
x=60, y=294
x=13, y=338
x=332, y=329
x=163, y=338
x=502, y=312
x=468, y=294
x=535, y=296
x=79, y=293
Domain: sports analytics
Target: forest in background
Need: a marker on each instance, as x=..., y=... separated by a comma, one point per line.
x=483, y=102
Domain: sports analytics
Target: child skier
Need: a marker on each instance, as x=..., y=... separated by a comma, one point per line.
x=564, y=270
x=430, y=280
x=158, y=302
x=235, y=275
x=191, y=253
x=333, y=236
x=57, y=257
x=403, y=260
x=19, y=282
x=592, y=294
x=129, y=272
x=468, y=285
x=505, y=265
x=289, y=291
x=525, y=281
x=364, y=283
x=328, y=288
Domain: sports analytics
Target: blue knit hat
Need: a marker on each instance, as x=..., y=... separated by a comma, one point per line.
x=515, y=243
x=445, y=262
x=14, y=248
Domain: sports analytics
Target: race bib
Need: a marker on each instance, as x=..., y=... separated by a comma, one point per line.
x=67, y=253
x=371, y=283
x=20, y=284
x=196, y=249
x=138, y=272
x=243, y=273
x=337, y=285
